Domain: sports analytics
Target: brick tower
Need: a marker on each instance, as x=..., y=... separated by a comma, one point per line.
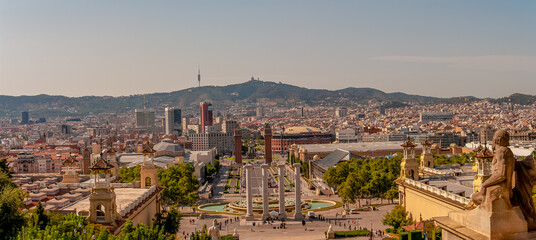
x=267, y=144
x=238, y=146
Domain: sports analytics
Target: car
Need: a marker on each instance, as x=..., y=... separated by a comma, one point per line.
x=353, y=211
x=311, y=214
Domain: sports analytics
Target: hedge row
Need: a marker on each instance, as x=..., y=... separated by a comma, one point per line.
x=356, y=233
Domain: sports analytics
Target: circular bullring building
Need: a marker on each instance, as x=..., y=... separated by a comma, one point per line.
x=299, y=135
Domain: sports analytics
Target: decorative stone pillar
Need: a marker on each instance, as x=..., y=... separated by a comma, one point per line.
x=298, y=214
x=265, y=199
x=282, y=212
x=249, y=194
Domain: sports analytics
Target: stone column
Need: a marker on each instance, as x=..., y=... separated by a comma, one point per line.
x=265, y=199
x=282, y=212
x=298, y=214
x=249, y=194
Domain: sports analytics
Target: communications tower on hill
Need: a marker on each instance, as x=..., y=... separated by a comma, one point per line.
x=199, y=75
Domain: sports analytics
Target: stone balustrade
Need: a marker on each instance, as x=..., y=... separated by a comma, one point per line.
x=438, y=191
x=137, y=201
x=434, y=171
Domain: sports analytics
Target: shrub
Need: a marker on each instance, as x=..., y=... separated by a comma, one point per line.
x=415, y=235
x=356, y=233
x=403, y=236
x=227, y=237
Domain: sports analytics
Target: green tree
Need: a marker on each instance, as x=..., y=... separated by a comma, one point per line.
x=365, y=178
x=39, y=218
x=209, y=169
x=391, y=194
x=130, y=174
x=217, y=163
x=4, y=167
x=180, y=185
x=67, y=227
x=337, y=175
x=169, y=220
x=397, y=218
x=11, y=199
x=129, y=232
x=350, y=190
x=5, y=181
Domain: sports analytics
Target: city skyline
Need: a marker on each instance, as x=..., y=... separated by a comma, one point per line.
x=443, y=49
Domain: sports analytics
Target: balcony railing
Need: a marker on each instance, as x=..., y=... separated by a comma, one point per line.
x=438, y=191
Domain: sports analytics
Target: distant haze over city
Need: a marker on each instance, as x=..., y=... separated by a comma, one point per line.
x=119, y=48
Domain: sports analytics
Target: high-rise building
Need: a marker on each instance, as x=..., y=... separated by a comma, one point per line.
x=66, y=129
x=144, y=118
x=382, y=110
x=228, y=126
x=173, y=121
x=206, y=115
x=24, y=118
x=223, y=142
x=185, y=122
x=299, y=111
x=341, y=112
x=486, y=134
x=259, y=112
x=427, y=117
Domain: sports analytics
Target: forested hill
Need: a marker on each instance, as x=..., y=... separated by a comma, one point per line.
x=248, y=92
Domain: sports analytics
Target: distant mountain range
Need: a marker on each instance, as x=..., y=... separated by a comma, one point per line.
x=250, y=92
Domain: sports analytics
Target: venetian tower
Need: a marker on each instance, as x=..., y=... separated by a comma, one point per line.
x=484, y=157
x=149, y=172
x=267, y=144
x=102, y=201
x=238, y=146
x=427, y=159
x=409, y=168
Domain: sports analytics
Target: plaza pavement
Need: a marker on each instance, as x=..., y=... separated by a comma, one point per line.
x=314, y=229
x=294, y=229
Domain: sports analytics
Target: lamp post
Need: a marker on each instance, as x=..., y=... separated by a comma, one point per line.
x=371, y=233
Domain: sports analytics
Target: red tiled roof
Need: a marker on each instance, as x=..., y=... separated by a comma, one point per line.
x=415, y=226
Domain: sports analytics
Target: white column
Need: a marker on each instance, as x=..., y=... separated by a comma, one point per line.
x=249, y=194
x=298, y=214
x=265, y=199
x=282, y=212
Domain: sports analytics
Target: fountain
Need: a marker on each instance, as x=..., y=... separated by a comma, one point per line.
x=240, y=206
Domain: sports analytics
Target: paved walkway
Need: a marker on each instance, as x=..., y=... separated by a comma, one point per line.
x=313, y=229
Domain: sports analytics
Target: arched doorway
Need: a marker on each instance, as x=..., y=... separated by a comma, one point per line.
x=147, y=181
x=101, y=213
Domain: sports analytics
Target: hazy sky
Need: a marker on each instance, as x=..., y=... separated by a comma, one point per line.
x=436, y=48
